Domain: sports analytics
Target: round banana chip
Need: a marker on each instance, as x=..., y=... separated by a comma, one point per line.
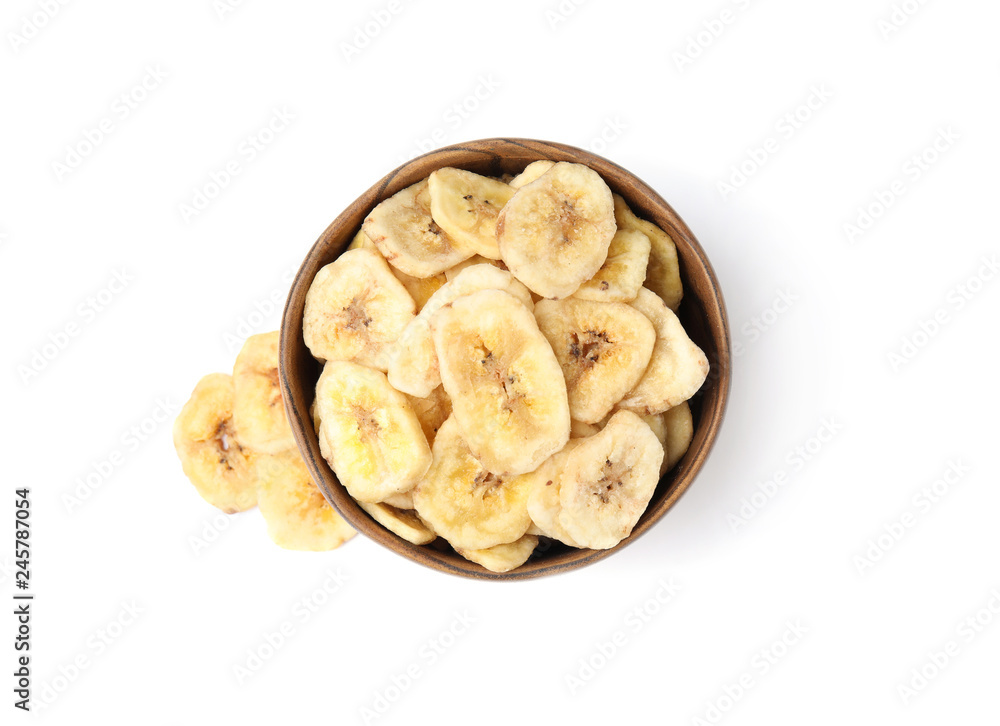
x=621, y=275
x=680, y=431
x=505, y=557
x=258, y=411
x=531, y=172
x=554, y=233
x=219, y=466
x=298, y=516
x=403, y=523
x=608, y=480
x=507, y=390
x=663, y=273
x=413, y=366
x=466, y=504
x=369, y=433
x=355, y=309
x=677, y=368
x=409, y=238
x=466, y=206
x=603, y=348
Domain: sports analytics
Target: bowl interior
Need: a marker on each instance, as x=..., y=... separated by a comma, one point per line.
x=702, y=312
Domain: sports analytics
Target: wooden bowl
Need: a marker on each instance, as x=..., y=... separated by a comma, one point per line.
x=702, y=312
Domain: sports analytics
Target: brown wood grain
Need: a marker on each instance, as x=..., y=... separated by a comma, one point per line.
x=702, y=312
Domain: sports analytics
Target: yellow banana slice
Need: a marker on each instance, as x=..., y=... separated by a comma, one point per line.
x=505, y=557
x=420, y=289
x=554, y=233
x=603, y=348
x=581, y=430
x=621, y=275
x=220, y=467
x=466, y=207
x=355, y=309
x=677, y=368
x=368, y=432
x=466, y=504
x=544, y=506
x=663, y=273
x=507, y=391
x=454, y=272
x=403, y=523
x=413, y=365
x=258, y=411
x=409, y=238
x=432, y=411
x=531, y=172
x=680, y=431
x=608, y=480
x=297, y=514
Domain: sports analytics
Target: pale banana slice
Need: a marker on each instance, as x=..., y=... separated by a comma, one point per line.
x=409, y=238
x=369, y=433
x=544, y=505
x=420, y=289
x=454, y=272
x=403, y=500
x=581, y=430
x=554, y=233
x=466, y=206
x=355, y=309
x=466, y=504
x=213, y=458
x=258, y=411
x=297, y=514
x=677, y=368
x=603, y=348
x=432, y=411
x=413, y=366
x=680, y=432
x=505, y=557
x=507, y=391
x=621, y=275
x=531, y=172
x=403, y=523
x=608, y=480
x=663, y=273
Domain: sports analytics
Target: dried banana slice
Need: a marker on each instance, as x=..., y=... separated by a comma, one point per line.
x=658, y=426
x=409, y=238
x=603, y=349
x=581, y=430
x=678, y=367
x=608, y=480
x=220, y=467
x=369, y=433
x=505, y=557
x=258, y=411
x=297, y=514
x=663, y=273
x=432, y=411
x=507, y=391
x=621, y=275
x=544, y=505
x=680, y=431
x=413, y=366
x=466, y=207
x=454, y=272
x=466, y=504
x=355, y=309
x=531, y=172
x=554, y=233
x=403, y=523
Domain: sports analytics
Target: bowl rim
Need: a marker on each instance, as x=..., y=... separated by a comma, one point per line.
x=648, y=205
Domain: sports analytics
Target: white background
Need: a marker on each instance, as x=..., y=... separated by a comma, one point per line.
x=610, y=68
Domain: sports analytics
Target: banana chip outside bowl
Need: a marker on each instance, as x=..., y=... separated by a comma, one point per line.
x=702, y=313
